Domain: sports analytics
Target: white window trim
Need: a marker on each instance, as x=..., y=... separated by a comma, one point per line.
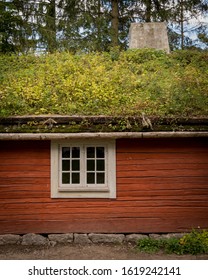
x=90, y=191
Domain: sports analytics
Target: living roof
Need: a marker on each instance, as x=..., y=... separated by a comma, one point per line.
x=100, y=124
x=104, y=91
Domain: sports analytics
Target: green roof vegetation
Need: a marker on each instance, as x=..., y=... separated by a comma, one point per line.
x=117, y=83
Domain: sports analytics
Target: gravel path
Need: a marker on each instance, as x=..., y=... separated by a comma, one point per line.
x=86, y=252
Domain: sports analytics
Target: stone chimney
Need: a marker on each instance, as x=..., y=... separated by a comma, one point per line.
x=149, y=35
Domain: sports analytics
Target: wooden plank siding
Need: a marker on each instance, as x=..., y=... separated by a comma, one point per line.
x=162, y=186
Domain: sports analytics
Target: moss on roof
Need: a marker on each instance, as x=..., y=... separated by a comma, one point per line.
x=112, y=84
x=77, y=124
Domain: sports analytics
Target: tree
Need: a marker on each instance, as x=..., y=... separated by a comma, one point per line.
x=121, y=14
x=92, y=25
x=114, y=22
x=7, y=25
x=51, y=25
x=102, y=23
x=153, y=10
x=203, y=36
x=45, y=25
x=95, y=25
x=15, y=30
x=182, y=13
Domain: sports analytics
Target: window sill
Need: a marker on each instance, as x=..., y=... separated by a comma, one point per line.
x=83, y=189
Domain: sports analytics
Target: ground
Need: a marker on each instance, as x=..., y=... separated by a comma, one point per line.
x=86, y=252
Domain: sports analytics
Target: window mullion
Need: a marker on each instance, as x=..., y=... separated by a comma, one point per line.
x=82, y=165
x=60, y=165
x=106, y=165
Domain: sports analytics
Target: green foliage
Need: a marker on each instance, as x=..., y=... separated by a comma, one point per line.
x=172, y=245
x=15, y=28
x=114, y=83
x=150, y=245
x=195, y=242
x=143, y=55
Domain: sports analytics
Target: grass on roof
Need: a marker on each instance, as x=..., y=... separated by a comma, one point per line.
x=114, y=83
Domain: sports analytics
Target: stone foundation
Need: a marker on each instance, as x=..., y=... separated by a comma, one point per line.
x=32, y=239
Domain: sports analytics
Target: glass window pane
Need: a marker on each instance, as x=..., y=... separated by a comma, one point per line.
x=100, y=165
x=75, y=178
x=90, y=152
x=90, y=178
x=100, y=152
x=100, y=178
x=75, y=165
x=90, y=165
x=65, y=165
x=65, y=152
x=65, y=178
x=75, y=152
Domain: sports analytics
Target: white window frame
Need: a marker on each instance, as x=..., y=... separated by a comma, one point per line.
x=83, y=190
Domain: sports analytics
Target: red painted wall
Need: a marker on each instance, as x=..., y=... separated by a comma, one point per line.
x=162, y=186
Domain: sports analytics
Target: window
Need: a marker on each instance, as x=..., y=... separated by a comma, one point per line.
x=83, y=169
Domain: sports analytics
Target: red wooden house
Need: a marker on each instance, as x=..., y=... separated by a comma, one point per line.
x=89, y=174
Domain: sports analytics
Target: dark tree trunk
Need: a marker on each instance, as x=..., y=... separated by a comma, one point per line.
x=114, y=22
x=182, y=23
x=148, y=11
x=51, y=26
x=99, y=35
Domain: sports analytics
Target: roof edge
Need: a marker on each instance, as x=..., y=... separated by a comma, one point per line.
x=61, y=119
x=99, y=135
x=100, y=124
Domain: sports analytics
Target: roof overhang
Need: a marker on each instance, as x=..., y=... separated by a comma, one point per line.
x=48, y=127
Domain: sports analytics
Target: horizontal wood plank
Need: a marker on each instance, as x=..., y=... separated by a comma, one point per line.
x=162, y=186
x=142, y=225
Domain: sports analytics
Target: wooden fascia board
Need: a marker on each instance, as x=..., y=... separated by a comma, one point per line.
x=99, y=135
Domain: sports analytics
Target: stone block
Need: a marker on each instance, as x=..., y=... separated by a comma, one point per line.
x=166, y=236
x=10, y=239
x=81, y=238
x=155, y=236
x=134, y=238
x=61, y=238
x=173, y=235
x=106, y=238
x=34, y=239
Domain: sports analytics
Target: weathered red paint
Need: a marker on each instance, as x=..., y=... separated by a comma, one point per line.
x=162, y=186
